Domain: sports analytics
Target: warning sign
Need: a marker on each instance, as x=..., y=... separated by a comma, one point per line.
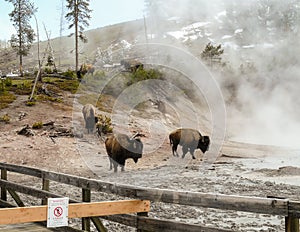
x=57, y=212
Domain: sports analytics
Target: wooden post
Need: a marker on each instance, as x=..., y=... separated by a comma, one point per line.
x=143, y=214
x=46, y=187
x=3, y=190
x=86, y=197
x=16, y=197
x=291, y=224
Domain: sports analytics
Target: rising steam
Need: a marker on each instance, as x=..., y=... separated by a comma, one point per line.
x=261, y=78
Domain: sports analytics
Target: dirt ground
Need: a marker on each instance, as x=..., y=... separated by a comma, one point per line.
x=241, y=169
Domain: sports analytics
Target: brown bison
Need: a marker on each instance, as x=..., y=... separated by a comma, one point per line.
x=132, y=65
x=89, y=114
x=120, y=147
x=190, y=140
x=85, y=69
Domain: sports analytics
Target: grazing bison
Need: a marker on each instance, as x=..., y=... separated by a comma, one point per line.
x=85, y=69
x=190, y=140
x=89, y=114
x=120, y=147
x=132, y=65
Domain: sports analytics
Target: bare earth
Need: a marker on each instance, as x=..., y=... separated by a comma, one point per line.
x=241, y=169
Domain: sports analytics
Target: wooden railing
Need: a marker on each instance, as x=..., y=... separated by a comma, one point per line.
x=272, y=206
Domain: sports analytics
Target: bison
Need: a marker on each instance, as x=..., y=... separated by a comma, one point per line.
x=85, y=69
x=120, y=147
x=132, y=65
x=89, y=114
x=190, y=140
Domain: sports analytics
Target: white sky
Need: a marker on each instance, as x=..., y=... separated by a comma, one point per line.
x=105, y=12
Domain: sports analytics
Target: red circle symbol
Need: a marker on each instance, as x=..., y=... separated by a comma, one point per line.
x=58, y=211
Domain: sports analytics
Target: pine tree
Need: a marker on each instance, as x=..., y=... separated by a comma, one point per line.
x=20, y=16
x=212, y=53
x=78, y=16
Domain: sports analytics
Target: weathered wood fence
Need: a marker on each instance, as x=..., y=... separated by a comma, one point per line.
x=272, y=206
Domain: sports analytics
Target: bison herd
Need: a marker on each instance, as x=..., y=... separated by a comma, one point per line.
x=120, y=147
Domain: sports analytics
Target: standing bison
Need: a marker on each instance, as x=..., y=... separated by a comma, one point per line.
x=89, y=114
x=120, y=147
x=85, y=69
x=190, y=140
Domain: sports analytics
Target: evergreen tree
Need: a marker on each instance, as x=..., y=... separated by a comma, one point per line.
x=212, y=53
x=78, y=16
x=20, y=16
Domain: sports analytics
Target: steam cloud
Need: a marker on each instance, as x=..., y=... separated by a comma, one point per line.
x=260, y=81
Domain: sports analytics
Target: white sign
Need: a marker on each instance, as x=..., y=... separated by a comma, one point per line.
x=57, y=212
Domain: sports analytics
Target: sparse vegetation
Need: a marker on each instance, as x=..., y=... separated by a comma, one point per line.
x=70, y=85
x=37, y=125
x=30, y=103
x=43, y=97
x=104, y=124
x=142, y=74
x=6, y=98
x=23, y=87
x=212, y=54
x=69, y=74
x=5, y=118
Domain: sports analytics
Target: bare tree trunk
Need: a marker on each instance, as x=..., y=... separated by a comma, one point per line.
x=76, y=36
x=20, y=42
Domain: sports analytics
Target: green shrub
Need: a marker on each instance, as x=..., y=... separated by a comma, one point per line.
x=30, y=103
x=144, y=74
x=8, y=82
x=69, y=85
x=5, y=118
x=48, y=98
x=6, y=98
x=24, y=88
x=70, y=74
x=37, y=125
x=104, y=124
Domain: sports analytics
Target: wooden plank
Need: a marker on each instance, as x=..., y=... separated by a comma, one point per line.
x=86, y=197
x=22, y=169
x=155, y=224
x=218, y=201
x=98, y=224
x=150, y=224
x=294, y=209
x=45, y=187
x=77, y=210
x=3, y=189
x=16, y=197
x=27, y=190
x=138, y=221
x=291, y=224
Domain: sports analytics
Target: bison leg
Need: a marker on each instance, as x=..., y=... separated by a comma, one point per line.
x=174, y=149
x=115, y=166
x=122, y=168
x=110, y=163
x=192, y=153
x=184, y=151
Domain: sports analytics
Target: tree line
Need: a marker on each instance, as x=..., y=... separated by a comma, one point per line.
x=77, y=15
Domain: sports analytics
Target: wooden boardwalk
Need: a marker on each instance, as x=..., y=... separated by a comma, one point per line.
x=33, y=227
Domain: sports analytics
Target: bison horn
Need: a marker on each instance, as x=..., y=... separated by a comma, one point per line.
x=135, y=135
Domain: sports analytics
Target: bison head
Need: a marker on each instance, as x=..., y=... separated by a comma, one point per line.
x=137, y=149
x=203, y=143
